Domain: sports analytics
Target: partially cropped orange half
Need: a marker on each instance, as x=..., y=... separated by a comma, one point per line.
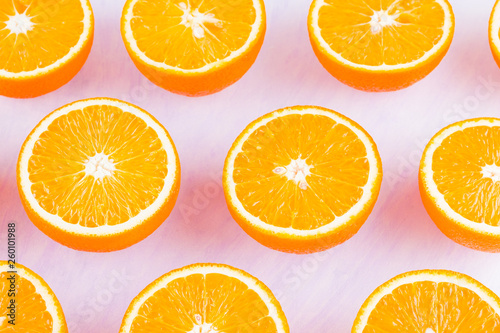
x=494, y=32
x=206, y=298
x=98, y=174
x=460, y=182
x=430, y=301
x=302, y=179
x=43, y=44
x=193, y=47
x=36, y=308
x=375, y=45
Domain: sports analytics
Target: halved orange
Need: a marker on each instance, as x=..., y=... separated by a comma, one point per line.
x=193, y=47
x=98, y=174
x=43, y=44
x=36, y=308
x=205, y=298
x=494, y=32
x=302, y=179
x=377, y=45
x=430, y=301
x=460, y=182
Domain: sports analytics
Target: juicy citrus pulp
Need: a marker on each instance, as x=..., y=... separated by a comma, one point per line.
x=98, y=174
x=193, y=47
x=205, y=298
x=430, y=301
x=36, y=307
x=380, y=45
x=460, y=182
x=43, y=44
x=302, y=179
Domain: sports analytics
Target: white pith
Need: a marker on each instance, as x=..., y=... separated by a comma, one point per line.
x=203, y=328
x=99, y=166
x=494, y=26
x=129, y=37
x=368, y=190
x=431, y=187
x=492, y=172
x=419, y=276
x=316, y=31
x=19, y=23
x=195, y=20
x=381, y=19
x=50, y=301
x=57, y=221
x=297, y=171
x=429, y=330
x=250, y=281
x=84, y=37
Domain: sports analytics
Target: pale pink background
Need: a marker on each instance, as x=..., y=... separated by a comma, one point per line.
x=319, y=293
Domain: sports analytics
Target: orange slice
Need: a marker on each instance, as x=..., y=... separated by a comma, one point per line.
x=36, y=307
x=377, y=45
x=494, y=32
x=460, y=182
x=302, y=179
x=43, y=44
x=205, y=298
x=98, y=175
x=193, y=47
x=430, y=301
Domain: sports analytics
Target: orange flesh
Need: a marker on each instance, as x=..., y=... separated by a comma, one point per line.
x=346, y=28
x=339, y=171
x=442, y=307
x=457, y=165
x=165, y=37
x=219, y=300
x=31, y=311
x=57, y=167
x=57, y=28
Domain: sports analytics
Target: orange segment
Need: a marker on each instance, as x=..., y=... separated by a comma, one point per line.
x=64, y=27
x=324, y=181
x=418, y=304
x=42, y=45
x=76, y=143
x=99, y=164
x=205, y=298
x=459, y=166
x=193, y=47
x=300, y=174
x=215, y=31
x=460, y=182
x=37, y=308
x=380, y=45
x=430, y=301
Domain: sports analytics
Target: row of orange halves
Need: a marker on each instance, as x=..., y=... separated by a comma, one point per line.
x=205, y=298
x=102, y=174
x=196, y=47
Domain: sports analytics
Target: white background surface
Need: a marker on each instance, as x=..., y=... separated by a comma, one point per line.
x=319, y=293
